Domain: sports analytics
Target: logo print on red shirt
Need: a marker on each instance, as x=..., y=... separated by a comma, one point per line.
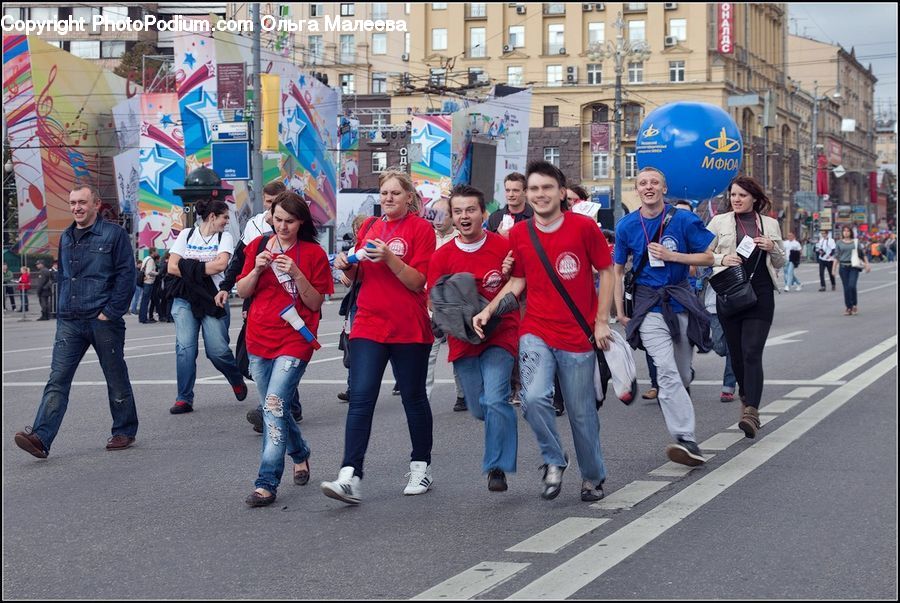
x=397, y=246
x=567, y=266
x=492, y=281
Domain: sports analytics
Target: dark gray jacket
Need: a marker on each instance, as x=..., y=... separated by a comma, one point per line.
x=645, y=298
x=455, y=301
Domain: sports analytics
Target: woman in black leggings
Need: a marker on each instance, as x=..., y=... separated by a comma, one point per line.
x=761, y=255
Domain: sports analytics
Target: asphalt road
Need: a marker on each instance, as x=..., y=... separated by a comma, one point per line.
x=807, y=510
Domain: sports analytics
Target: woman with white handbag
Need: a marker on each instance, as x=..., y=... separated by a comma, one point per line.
x=852, y=260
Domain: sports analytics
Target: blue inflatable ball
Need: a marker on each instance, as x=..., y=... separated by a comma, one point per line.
x=697, y=146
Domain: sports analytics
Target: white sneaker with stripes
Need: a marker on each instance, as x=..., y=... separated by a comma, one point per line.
x=345, y=488
x=419, y=478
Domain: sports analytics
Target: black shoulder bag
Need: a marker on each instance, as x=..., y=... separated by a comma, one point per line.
x=344, y=337
x=630, y=280
x=605, y=374
x=734, y=288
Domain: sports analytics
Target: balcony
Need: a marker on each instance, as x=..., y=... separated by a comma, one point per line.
x=553, y=9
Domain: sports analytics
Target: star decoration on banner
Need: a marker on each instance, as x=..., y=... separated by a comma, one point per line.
x=171, y=238
x=147, y=236
x=189, y=60
x=428, y=142
x=206, y=111
x=152, y=167
x=295, y=126
x=166, y=120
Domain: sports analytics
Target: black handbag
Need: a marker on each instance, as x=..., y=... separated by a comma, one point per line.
x=630, y=280
x=734, y=289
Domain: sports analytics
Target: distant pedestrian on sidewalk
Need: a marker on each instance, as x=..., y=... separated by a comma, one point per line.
x=24, y=286
x=9, y=289
x=792, y=250
x=43, y=285
x=825, y=254
x=96, y=281
x=849, y=274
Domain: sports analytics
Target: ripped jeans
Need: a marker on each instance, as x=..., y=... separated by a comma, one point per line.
x=277, y=380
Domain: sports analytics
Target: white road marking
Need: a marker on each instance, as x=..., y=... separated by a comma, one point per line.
x=779, y=406
x=803, y=392
x=558, y=536
x=671, y=469
x=763, y=419
x=718, y=382
x=848, y=367
x=783, y=339
x=876, y=288
x=568, y=578
x=630, y=495
x=474, y=581
x=721, y=441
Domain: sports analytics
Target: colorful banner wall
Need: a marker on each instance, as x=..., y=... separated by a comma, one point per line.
x=20, y=113
x=162, y=168
x=431, y=174
x=128, y=178
x=349, y=132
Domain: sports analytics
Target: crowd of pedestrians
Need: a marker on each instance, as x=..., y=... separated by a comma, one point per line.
x=460, y=278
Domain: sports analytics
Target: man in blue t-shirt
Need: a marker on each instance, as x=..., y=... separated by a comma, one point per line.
x=663, y=257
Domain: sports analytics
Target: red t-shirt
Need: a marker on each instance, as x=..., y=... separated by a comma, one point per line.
x=573, y=250
x=485, y=265
x=386, y=311
x=268, y=335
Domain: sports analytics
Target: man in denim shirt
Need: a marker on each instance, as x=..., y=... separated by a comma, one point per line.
x=96, y=279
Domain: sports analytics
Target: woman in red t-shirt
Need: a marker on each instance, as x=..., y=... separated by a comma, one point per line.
x=290, y=273
x=391, y=324
x=24, y=286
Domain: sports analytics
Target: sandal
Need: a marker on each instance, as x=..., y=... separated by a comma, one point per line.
x=301, y=476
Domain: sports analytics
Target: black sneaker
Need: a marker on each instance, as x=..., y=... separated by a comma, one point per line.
x=395, y=391
x=344, y=396
x=461, y=406
x=553, y=480
x=685, y=452
x=590, y=493
x=496, y=480
x=180, y=407
x=255, y=418
x=240, y=391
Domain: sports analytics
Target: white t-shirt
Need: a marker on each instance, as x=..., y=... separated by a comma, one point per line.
x=204, y=249
x=256, y=227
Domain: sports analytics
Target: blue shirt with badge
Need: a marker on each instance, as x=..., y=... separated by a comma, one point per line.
x=685, y=233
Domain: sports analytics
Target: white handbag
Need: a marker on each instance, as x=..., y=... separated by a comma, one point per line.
x=855, y=262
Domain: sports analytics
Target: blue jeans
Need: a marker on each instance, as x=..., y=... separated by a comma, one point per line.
x=538, y=363
x=790, y=279
x=73, y=337
x=368, y=359
x=849, y=278
x=215, y=340
x=145, y=303
x=485, y=382
x=136, y=300
x=277, y=381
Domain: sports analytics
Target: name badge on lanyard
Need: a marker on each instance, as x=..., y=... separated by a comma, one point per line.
x=745, y=249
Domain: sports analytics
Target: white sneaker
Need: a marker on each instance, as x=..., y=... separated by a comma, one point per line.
x=798, y=287
x=786, y=288
x=345, y=488
x=419, y=478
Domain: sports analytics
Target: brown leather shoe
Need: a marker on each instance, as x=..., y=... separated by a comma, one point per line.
x=258, y=500
x=650, y=394
x=301, y=476
x=119, y=442
x=30, y=443
x=749, y=422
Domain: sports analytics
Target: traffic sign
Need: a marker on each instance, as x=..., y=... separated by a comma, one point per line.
x=231, y=130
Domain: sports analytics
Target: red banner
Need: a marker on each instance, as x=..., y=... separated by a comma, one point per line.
x=835, y=152
x=599, y=138
x=725, y=27
x=822, y=175
x=873, y=187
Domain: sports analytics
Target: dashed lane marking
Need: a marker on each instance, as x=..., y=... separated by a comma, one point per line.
x=630, y=495
x=557, y=536
x=473, y=581
x=803, y=392
x=780, y=406
x=721, y=441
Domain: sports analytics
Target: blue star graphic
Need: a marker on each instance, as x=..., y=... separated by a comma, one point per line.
x=189, y=60
x=206, y=111
x=166, y=120
x=152, y=167
x=295, y=125
x=428, y=142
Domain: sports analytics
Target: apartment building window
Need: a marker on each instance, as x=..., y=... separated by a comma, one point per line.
x=348, y=83
x=636, y=72
x=555, y=8
x=551, y=116
x=635, y=6
x=630, y=163
x=18, y=14
x=40, y=13
x=116, y=14
x=678, y=28
x=637, y=31
x=348, y=9
x=112, y=50
x=594, y=73
x=316, y=50
x=477, y=42
x=676, y=71
x=600, y=165
x=517, y=36
x=379, y=84
x=437, y=77
x=316, y=10
x=439, y=39
x=515, y=76
x=348, y=48
x=554, y=75
x=379, y=43
x=632, y=118
x=438, y=6
x=85, y=49
x=551, y=155
x=556, y=38
x=379, y=10
x=599, y=114
x=596, y=33
x=477, y=9
x=406, y=40
x=78, y=12
x=379, y=161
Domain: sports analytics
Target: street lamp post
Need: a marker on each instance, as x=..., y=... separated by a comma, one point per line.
x=620, y=51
